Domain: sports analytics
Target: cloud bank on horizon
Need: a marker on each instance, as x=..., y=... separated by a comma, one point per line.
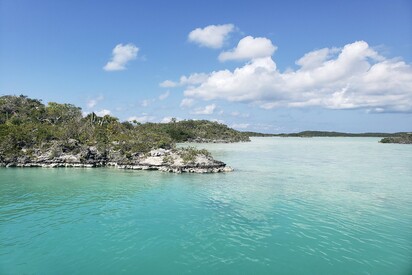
x=350, y=77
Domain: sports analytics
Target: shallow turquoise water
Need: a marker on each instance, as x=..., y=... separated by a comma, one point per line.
x=293, y=206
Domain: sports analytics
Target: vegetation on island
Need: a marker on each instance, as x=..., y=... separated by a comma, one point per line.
x=189, y=154
x=28, y=127
x=257, y=134
x=337, y=134
x=404, y=138
x=400, y=137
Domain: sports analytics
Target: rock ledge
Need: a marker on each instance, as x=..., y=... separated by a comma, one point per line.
x=176, y=161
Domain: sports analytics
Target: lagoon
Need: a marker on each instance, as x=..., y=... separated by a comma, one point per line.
x=292, y=206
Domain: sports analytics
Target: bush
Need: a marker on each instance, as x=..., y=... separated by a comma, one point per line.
x=189, y=154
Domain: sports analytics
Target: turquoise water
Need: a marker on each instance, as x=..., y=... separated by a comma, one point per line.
x=293, y=206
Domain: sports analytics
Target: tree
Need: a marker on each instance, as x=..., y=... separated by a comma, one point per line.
x=60, y=113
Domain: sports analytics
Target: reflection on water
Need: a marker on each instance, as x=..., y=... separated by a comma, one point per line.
x=324, y=205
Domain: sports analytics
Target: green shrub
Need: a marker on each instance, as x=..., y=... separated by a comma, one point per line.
x=189, y=154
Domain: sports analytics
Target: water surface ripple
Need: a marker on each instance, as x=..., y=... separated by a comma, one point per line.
x=293, y=206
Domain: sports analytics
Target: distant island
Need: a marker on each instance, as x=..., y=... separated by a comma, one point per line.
x=405, y=138
x=400, y=137
x=57, y=135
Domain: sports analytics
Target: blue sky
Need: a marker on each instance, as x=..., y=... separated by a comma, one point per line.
x=268, y=66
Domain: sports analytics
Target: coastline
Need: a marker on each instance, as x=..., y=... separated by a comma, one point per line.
x=174, y=161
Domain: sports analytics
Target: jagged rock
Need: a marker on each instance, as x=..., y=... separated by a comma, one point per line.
x=158, y=152
x=158, y=159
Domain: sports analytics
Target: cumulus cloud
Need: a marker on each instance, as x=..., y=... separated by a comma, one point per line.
x=103, y=112
x=207, y=110
x=212, y=36
x=168, y=119
x=187, y=102
x=143, y=118
x=164, y=95
x=91, y=103
x=248, y=83
x=249, y=48
x=354, y=76
x=315, y=59
x=168, y=84
x=193, y=79
x=121, y=55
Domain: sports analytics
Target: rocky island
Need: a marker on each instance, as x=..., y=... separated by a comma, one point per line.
x=58, y=135
x=404, y=138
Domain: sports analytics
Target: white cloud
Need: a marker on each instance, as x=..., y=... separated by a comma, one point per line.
x=315, y=59
x=249, y=48
x=164, y=95
x=121, y=54
x=211, y=36
x=103, y=112
x=247, y=83
x=218, y=120
x=240, y=125
x=354, y=76
x=149, y=101
x=91, y=103
x=168, y=84
x=143, y=118
x=193, y=79
x=168, y=119
x=146, y=102
x=239, y=114
x=187, y=102
x=207, y=110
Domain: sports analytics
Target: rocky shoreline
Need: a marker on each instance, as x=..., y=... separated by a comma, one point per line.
x=226, y=140
x=33, y=134
x=181, y=160
x=401, y=139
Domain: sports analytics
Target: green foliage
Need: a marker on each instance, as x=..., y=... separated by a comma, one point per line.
x=19, y=109
x=337, y=134
x=168, y=159
x=62, y=113
x=189, y=130
x=256, y=134
x=28, y=124
x=404, y=138
x=189, y=154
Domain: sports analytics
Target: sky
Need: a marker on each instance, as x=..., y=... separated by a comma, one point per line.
x=265, y=66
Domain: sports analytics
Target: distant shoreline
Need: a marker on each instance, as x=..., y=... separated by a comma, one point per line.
x=328, y=134
x=399, y=138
